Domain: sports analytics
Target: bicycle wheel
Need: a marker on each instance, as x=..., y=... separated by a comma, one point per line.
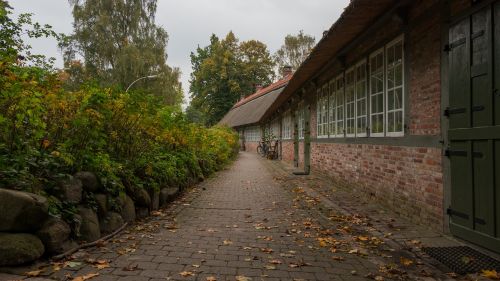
x=260, y=150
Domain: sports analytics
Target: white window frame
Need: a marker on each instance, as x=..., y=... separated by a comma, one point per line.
x=370, y=94
x=301, y=120
x=332, y=113
x=274, y=129
x=402, y=87
x=366, y=97
x=286, y=130
x=321, y=111
x=340, y=133
x=352, y=102
x=325, y=94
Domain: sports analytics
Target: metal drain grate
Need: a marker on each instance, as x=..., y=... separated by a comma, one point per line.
x=463, y=260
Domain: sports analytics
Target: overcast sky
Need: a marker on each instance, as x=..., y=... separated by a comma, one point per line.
x=190, y=23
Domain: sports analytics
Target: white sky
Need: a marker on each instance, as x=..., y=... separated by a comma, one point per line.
x=190, y=23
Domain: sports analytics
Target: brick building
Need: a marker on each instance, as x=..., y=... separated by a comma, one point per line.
x=399, y=100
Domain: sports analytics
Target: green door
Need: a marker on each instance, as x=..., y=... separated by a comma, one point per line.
x=474, y=127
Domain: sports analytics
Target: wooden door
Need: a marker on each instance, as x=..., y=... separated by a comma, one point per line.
x=474, y=131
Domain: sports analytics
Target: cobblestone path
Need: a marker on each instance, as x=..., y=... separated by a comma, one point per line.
x=243, y=224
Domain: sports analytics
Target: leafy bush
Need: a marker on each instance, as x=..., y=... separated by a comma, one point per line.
x=47, y=133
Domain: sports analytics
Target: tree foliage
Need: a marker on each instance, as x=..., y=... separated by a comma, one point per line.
x=120, y=42
x=127, y=139
x=294, y=51
x=224, y=71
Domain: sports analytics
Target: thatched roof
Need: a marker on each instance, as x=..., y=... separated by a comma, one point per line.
x=251, y=109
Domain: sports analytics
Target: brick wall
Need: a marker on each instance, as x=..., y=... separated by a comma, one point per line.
x=251, y=146
x=424, y=81
x=407, y=179
x=287, y=151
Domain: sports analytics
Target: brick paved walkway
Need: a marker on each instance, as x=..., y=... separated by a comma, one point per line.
x=243, y=224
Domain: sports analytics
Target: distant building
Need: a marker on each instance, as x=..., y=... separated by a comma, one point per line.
x=246, y=115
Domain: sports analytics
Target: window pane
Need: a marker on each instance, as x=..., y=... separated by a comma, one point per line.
x=390, y=122
x=399, y=121
x=398, y=98
x=377, y=123
x=390, y=78
x=398, y=75
x=390, y=100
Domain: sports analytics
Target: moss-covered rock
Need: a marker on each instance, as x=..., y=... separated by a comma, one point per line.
x=19, y=248
x=141, y=197
x=22, y=211
x=102, y=204
x=111, y=222
x=89, y=181
x=89, y=229
x=53, y=234
x=127, y=209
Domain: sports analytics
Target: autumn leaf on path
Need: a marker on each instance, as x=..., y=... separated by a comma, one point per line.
x=85, y=277
x=405, y=261
x=131, y=268
x=491, y=274
x=243, y=278
x=228, y=242
x=34, y=273
x=270, y=267
x=211, y=278
x=267, y=250
x=186, y=274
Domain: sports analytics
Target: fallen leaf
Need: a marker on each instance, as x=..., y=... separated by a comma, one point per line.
x=243, y=278
x=131, y=268
x=228, y=242
x=405, y=261
x=270, y=267
x=379, y=278
x=72, y=264
x=491, y=274
x=186, y=274
x=211, y=278
x=275, y=261
x=34, y=273
x=85, y=277
x=267, y=250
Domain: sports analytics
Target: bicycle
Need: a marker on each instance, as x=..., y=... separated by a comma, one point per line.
x=263, y=148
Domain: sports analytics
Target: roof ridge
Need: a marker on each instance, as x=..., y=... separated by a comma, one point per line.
x=273, y=86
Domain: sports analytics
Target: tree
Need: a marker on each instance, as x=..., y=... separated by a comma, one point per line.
x=294, y=51
x=224, y=71
x=120, y=42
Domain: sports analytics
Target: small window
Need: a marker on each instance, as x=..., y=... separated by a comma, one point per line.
x=286, y=129
x=324, y=107
x=377, y=94
x=322, y=112
x=394, y=82
x=332, y=109
x=350, y=102
x=361, y=100
x=339, y=94
x=301, y=121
